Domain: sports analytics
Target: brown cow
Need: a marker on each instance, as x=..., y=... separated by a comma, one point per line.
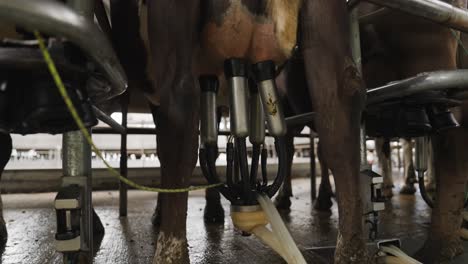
x=186, y=43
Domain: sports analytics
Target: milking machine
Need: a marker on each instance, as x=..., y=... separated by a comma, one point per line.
x=249, y=101
x=30, y=102
x=253, y=99
x=415, y=107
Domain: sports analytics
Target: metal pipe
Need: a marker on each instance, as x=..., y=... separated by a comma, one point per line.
x=265, y=76
x=109, y=120
x=208, y=118
x=375, y=16
x=433, y=10
x=236, y=75
x=428, y=81
x=299, y=120
x=55, y=18
x=152, y=131
x=76, y=162
x=356, y=53
x=421, y=156
x=82, y=7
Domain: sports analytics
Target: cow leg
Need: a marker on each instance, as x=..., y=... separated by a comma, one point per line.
x=430, y=174
x=408, y=171
x=324, y=199
x=283, y=200
x=177, y=150
x=337, y=93
x=382, y=148
x=173, y=26
x=5, y=153
x=156, y=217
x=451, y=166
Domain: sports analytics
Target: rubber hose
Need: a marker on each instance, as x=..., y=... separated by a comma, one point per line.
x=422, y=190
x=241, y=147
x=280, y=144
x=254, y=167
x=264, y=157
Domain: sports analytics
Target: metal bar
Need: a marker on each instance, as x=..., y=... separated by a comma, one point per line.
x=109, y=120
x=55, y=18
x=428, y=81
x=76, y=162
x=374, y=16
x=123, y=157
x=433, y=10
x=302, y=119
x=152, y=131
x=103, y=20
x=356, y=53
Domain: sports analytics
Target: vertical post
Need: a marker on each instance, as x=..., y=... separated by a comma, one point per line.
x=123, y=157
x=313, y=175
x=76, y=164
x=77, y=153
x=399, y=155
x=356, y=52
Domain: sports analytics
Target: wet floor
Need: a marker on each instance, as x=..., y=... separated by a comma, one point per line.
x=31, y=225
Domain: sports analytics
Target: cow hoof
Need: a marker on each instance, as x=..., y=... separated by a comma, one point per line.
x=156, y=219
x=323, y=204
x=3, y=232
x=440, y=251
x=171, y=250
x=408, y=189
x=353, y=251
x=98, y=228
x=283, y=203
x=430, y=188
x=387, y=192
x=213, y=214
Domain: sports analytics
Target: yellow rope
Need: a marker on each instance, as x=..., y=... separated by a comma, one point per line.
x=63, y=92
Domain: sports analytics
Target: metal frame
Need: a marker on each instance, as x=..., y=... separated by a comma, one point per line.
x=434, y=10
x=428, y=81
x=55, y=18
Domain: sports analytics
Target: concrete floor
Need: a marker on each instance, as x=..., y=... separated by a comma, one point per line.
x=31, y=226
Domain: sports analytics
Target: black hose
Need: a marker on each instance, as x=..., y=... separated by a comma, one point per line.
x=207, y=163
x=241, y=148
x=264, y=157
x=236, y=166
x=280, y=144
x=422, y=190
x=254, y=167
x=229, y=166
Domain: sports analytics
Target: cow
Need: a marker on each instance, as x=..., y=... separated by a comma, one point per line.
x=192, y=38
x=292, y=85
x=403, y=46
x=188, y=39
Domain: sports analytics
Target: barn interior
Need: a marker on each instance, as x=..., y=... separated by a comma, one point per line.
x=87, y=176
